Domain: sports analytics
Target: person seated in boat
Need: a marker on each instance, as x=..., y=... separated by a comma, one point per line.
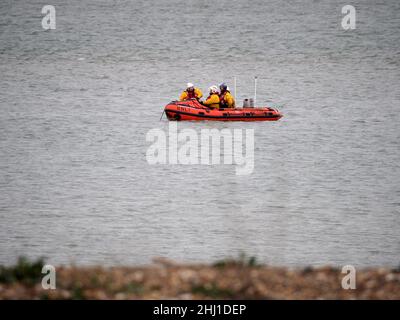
x=213, y=98
x=191, y=93
x=225, y=97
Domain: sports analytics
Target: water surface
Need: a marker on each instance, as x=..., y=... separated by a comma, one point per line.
x=78, y=101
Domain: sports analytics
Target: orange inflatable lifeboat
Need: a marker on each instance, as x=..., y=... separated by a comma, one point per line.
x=193, y=110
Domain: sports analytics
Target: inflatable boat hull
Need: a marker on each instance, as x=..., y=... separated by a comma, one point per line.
x=192, y=110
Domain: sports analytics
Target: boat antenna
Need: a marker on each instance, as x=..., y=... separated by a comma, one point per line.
x=234, y=86
x=255, y=91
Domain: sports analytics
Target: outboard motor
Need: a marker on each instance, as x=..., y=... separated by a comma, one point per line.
x=246, y=103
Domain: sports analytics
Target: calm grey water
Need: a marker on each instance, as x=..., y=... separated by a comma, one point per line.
x=76, y=104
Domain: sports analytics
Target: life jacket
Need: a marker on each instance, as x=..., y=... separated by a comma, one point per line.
x=191, y=94
x=215, y=104
x=222, y=101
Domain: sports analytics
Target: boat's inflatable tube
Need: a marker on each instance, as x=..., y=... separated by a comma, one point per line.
x=193, y=110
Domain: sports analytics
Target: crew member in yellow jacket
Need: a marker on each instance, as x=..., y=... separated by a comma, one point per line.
x=213, y=99
x=225, y=97
x=190, y=93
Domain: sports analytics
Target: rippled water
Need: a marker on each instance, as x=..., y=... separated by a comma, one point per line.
x=76, y=104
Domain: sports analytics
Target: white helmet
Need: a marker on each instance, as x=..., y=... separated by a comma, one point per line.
x=213, y=89
x=189, y=85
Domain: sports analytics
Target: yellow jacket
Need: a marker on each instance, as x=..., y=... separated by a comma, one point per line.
x=228, y=99
x=212, y=101
x=185, y=96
